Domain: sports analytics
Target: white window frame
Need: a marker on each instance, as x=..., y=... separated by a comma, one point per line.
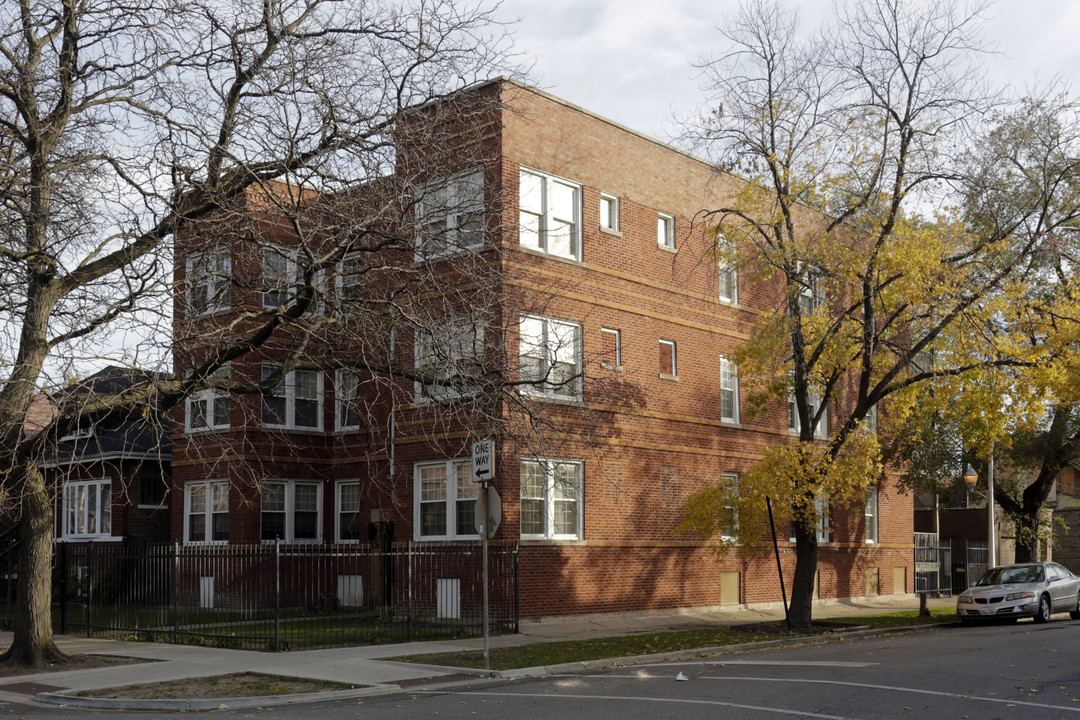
x=459, y=488
x=451, y=348
x=550, y=352
x=794, y=425
x=618, y=346
x=288, y=391
x=289, y=509
x=729, y=384
x=211, y=270
x=810, y=298
x=822, y=517
x=871, y=420
x=665, y=230
x=548, y=467
x=674, y=358
x=727, y=275
x=342, y=379
x=609, y=212
x=452, y=207
x=340, y=510
x=536, y=224
x=730, y=482
x=290, y=285
x=871, y=514
x=210, y=398
x=79, y=433
x=214, y=489
x=77, y=511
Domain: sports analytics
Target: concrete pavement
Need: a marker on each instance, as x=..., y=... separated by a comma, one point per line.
x=365, y=666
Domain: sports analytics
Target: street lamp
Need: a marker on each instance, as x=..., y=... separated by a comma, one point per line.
x=970, y=478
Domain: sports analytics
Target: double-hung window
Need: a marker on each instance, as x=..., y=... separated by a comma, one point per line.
x=206, y=512
x=350, y=278
x=821, y=514
x=729, y=285
x=291, y=511
x=295, y=402
x=347, y=511
x=209, y=282
x=278, y=276
x=445, y=496
x=871, y=514
x=549, y=214
x=449, y=355
x=209, y=408
x=550, y=357
x=729, y=391
x=730, y=526
x=347, y=395
x=810, y=297
x=450, y=214
x=87, y=509
x=794, y=425
x=551, y=499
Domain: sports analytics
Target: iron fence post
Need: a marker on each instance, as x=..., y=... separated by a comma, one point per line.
x=408, y=595
x=89, y=586
x=277, y=594
x=176, y=592
x=63, y=586
x=517, y=592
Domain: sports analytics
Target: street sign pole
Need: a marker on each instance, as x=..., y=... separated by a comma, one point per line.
x=484, y=542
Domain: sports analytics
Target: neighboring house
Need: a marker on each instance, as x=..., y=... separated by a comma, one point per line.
x=1067, y=519
x=601, y=216
x=112, y=478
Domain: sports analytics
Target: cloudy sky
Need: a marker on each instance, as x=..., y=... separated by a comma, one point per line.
x=630, y=60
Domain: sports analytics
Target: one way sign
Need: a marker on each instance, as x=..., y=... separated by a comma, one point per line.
x=483, y=460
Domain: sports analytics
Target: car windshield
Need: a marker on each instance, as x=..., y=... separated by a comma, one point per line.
x=1011, y=575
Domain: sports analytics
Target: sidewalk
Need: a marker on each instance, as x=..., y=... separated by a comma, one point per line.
x=363, y=665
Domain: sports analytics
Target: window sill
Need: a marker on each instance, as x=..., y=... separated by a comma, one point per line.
x=733, y=304
x=443, y=539
x=733, y=424
x=89, y=538
x=551, y=541
x=665, y=376
x=609, y=366
x=296, y=430
x=611, y=231
x=579, y=402
x=666, y=248
x=551, y=256
x=209, y=313
x=151, y=507
x=420, y=259
x=206, y=430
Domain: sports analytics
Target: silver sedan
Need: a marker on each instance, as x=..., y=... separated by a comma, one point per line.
x=1035, y=590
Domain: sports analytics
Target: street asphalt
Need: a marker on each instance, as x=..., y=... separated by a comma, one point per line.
x=367, y=666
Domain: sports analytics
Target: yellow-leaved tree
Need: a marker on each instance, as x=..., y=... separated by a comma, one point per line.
x=879, y=232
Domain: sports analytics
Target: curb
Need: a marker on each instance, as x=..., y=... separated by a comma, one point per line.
x=236, y=703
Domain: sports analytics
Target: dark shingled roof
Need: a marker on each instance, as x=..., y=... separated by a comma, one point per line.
x=128, y=438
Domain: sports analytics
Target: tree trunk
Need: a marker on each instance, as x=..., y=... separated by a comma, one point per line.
x=802, y=586
x=33, y=644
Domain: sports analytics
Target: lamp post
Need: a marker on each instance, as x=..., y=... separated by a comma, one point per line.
x=970, y=478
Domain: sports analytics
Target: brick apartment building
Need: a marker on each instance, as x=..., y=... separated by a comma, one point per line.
x=607, y=317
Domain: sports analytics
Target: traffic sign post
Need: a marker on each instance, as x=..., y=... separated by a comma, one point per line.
x=483, y=471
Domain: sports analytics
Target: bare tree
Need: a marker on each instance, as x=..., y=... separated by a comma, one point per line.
x=124, y=124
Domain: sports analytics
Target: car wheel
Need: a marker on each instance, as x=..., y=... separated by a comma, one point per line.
x=1043, y=615
x=1075, y=612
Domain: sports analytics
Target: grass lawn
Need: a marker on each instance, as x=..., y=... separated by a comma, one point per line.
x=556, y=653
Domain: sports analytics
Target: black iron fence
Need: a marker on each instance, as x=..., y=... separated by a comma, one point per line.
x=946, y=567
x=279, y=597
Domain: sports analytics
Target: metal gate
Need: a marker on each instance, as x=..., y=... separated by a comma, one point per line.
x=933, y=564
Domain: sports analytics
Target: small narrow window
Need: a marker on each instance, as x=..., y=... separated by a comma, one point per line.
x=729, y=391
x=730, y=522
x=665, y=231
x=871, y=514
x=610, y=347
x=667, y=358
x=609, y=212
